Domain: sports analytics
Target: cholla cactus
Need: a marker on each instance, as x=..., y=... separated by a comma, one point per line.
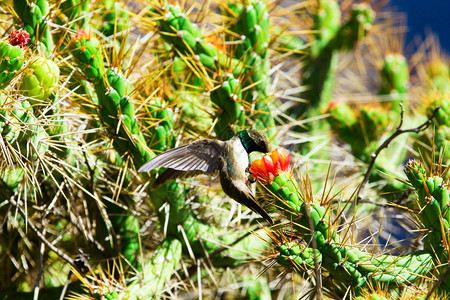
x=35, y=15
x=313, y=223
x=12, y=56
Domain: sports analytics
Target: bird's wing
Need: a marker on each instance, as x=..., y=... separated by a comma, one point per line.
x=201, y=157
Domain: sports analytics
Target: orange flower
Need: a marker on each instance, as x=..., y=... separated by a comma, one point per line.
x=270, y=165
x=82, y=35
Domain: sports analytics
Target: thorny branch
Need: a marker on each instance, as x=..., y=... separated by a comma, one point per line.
x=386, y=143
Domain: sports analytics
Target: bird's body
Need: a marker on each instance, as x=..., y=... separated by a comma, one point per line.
x=228, y=158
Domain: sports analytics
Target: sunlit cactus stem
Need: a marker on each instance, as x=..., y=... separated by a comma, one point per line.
x=35, y=17
x=433, y=196
x=394, y=81
x=189, y=42
x=321, y=61
x=252, y=27
x=115, y=18
x=12, y=56
x=116, y=109
x=161, y=123
x=311, y=222
x=230, y=113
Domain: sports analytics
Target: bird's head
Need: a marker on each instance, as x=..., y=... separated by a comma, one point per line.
x=253, y=140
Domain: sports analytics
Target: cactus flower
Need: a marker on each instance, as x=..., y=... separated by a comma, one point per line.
x=19, y=38
x=271, y=165
x=82, y=35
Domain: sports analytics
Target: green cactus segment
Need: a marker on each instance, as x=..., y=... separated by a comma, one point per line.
x=442, y=126
x=345, y=264
x=343, y=121
x=11, y=61
x=195, y=117
x=115, y=18
x=362, y=130
x=39, y=79
x=355, y=29
x=321, y=61
x=113, y=92
x=187, y=39
x=35, y=16
x=299, y=256
x=89, y=54
x=180, y=222
x=230, y=112
x=438, y=94
x=252, y=27
x=12, y=178
x=433, y=199
x=130, y=241
x=357, y=267
x=161, y=125
x=442, y=117
x=118, y=112
x=438, y=72
x=394, y=80
x=327, y=23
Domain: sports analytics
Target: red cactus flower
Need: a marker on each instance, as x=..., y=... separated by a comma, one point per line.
x=332, y=105
x=82, y=35
x=270, y=165
x=19, y=38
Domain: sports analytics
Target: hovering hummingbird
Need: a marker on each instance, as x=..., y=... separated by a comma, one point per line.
x=228, y=158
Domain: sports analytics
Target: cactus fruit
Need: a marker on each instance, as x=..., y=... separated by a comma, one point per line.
x=19, y=38
x=39, y=80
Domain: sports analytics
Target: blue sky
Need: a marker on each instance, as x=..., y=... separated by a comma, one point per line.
x=426, y=15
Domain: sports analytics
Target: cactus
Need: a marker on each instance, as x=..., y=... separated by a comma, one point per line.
x=39, y=79
x=394, y=80
x=321, y=61
x=432, y=197
x=252, y=27
x=313, y=223
x=35, y=15
x=11, y=59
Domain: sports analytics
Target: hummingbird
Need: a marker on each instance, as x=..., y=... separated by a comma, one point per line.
x=227, y=158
